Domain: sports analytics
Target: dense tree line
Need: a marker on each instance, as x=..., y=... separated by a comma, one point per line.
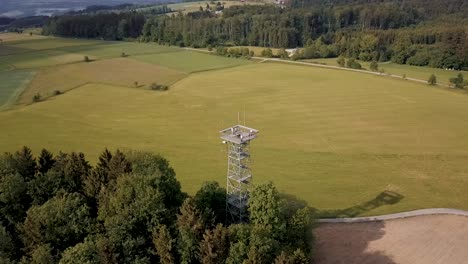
x=109, y=26
x=429, y=7
x=415, y=32
x=129, y=208
x=372, y=32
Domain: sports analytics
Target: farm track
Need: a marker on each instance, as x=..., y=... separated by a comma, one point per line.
x=263, y=60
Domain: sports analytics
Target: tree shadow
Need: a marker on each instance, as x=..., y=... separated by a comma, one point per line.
x=384, y=198
x=349, y=243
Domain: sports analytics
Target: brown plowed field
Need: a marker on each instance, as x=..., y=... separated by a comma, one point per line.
x=417, y=240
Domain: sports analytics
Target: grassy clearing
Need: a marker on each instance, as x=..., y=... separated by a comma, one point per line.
x=187, y=7
x=26, y=59
x=336, y=139
x=121, y=71
x=6, y=50
x=106, y=50
x=11, y=85
x=62, y=67
x=48, y=43
x=40, y=59
x=191, y=61
x=422, y=73
x=8, y=37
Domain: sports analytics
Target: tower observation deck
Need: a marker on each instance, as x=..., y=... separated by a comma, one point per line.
x=239, y=174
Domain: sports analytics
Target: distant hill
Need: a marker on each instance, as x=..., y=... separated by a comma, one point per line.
x=15, y=8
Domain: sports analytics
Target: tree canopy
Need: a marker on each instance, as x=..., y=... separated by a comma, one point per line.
x=129, y=208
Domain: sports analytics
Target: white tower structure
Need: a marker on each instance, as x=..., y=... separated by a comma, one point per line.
x=239, y=174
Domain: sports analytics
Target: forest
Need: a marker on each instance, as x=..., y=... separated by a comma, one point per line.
x=371, y=32
x=109, y=26
x=129, y=208
x=415, y=32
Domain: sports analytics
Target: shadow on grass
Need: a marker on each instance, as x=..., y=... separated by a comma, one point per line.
x=384, y=198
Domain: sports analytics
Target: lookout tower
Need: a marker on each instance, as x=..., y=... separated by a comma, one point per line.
x=239, y=174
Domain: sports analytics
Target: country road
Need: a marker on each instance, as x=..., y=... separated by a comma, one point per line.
x=328, y=67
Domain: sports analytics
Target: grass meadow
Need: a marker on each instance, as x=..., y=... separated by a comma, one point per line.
x=335, y=139
x=12, y=85
x=191, y=61
x=423, y=73
x=340, y=140
x=187, y=7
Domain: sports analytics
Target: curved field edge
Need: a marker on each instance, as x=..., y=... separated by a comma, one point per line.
x=339, y=142
x=124, y=72
x=13, y=84
x=402, y=215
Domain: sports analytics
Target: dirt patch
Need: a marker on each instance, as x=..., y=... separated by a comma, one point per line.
x=415, y=240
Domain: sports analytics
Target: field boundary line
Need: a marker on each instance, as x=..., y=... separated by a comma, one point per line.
x=421, y=212
x=18, y=92
x=262, y=60
x=348, y=69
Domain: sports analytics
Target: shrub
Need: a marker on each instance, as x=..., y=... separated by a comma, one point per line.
x=341, y=61
x=432, y=80
x=268, y=53
x=245, y=52
x=86, y=59
x=123, y=55
x=222, y=51
x=458, y=81
x=404, y=76
x=234, y=52
x=310, y=53
x=57, y=92
x=135, y=84
x=353, y=64
x=374, y=66
x=37, y=97
x=158, y=87
x=283, y=54
x=297, y=55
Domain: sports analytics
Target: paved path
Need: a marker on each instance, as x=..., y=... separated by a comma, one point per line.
x=262, y=59
x=430, y=211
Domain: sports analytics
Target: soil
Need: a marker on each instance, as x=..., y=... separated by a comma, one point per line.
x=416, y=240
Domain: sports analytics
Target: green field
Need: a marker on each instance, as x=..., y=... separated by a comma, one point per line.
x=423, y=73
x=11, y=85
x=336, y=139
x=187, y=7
x=191, y=61
x=60, y=65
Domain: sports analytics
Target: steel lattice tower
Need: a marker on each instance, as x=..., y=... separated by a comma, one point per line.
x=239, y=174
